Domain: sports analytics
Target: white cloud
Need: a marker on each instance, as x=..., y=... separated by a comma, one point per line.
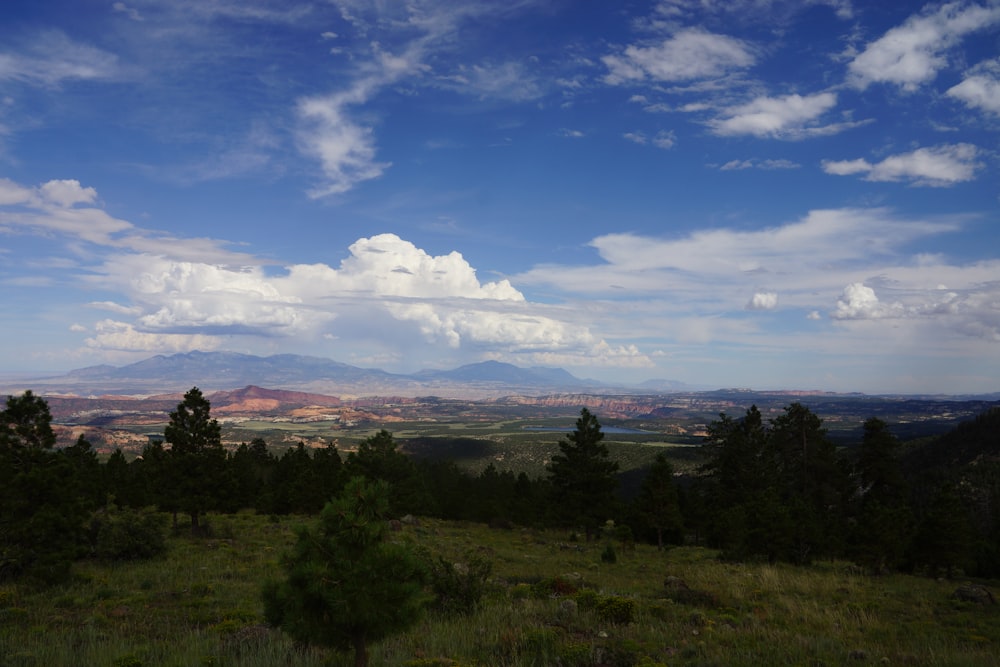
x=509, y=81
x=121, y=336
x=858, y=301
x=66, y=193
x=981, y=87
x=332, y=129
x=689, y=54
x=345, y=149
x=414, y=295
x=913, y=53
x=664, y=139
x=766, y=165
x=131, y=12
x=763, y=301
x=11, y=193
x=51, y=58
x=939, y=166
x=787, y=117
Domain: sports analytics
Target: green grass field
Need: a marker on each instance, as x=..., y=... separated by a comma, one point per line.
x=551, y=602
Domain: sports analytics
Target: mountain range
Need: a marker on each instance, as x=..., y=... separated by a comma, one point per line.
x=219, y=371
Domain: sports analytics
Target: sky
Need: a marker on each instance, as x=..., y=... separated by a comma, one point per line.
x=772, y=194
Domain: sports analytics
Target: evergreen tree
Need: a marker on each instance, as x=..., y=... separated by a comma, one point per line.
x=884, y=520
x=87, y=474
x=377, y=458
x=739, y=493
x=944, y=535
x=346, y=585
x=196, y=462
x=583, y=477
x=658, y=502
x=41, y=513
x=811, y=483
x=253, y=468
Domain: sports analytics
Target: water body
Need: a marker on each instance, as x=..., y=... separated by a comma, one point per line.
x=605, y=429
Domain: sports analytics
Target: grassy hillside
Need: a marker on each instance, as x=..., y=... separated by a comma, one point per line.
x=552, y=602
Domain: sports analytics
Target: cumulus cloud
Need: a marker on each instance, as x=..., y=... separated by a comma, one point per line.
x=123, y=337
x=786, y=117
x=980, y=89
x=437, y=299
x=938, y=166
x=913, y=53
x=688, y=55
x=763, y=301
x=67, y=193
x=859, y=302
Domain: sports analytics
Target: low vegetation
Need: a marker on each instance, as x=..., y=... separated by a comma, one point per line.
x=797, y=552
x=546, y=601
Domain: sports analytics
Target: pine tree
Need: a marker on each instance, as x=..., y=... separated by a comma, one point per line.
x=346, y=585
x=658, y=502
x=378, y=458
x=884, y=520
x=41, y=512
x=583, y=476
x=196, y=468
x=811, y=483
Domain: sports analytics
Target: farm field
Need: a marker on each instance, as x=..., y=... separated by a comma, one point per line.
x=551, y=600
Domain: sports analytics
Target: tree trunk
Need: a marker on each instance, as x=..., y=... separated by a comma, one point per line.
x=195, y=526
x=360, y=651
x=659, y=538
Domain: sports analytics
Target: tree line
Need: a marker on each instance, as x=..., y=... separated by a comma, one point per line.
x=776, y=490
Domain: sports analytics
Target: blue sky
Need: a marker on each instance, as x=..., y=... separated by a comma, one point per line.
x=752, y=193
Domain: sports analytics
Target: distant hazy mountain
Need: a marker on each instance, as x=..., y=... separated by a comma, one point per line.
x=232, y=369
x=219, y=371
x=495, y=371
x=660, y=384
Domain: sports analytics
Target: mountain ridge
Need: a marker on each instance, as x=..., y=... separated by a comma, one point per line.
x=227, y=371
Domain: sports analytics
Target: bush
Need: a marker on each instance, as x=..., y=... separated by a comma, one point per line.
x=609, y=555
x=459, y=587
x=554, y=588
x=126, y=534
x=613, y=609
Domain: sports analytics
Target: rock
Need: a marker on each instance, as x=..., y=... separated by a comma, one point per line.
x=974, y=593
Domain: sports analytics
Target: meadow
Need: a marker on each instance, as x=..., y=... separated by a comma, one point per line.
x=551, y=600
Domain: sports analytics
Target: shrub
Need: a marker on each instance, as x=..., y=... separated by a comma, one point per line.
x=614, y=609
x=459, y=587
x=554, y=587
x=609, y=555
x=587, y=598
x=126, y=534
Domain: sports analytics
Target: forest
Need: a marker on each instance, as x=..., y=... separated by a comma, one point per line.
x=771, y=491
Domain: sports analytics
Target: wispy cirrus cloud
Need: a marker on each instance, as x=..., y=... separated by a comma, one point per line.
x=52, y=58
